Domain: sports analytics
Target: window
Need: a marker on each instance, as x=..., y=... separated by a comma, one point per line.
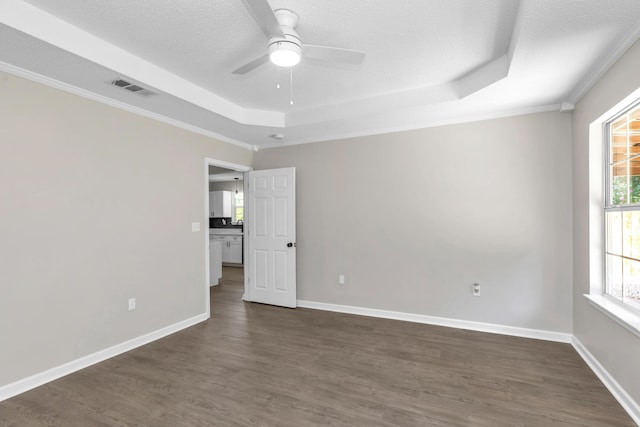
x=238, y=215
x=622, y=207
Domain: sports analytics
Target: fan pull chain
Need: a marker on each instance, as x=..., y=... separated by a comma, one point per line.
x=291, y=86
x=277, y=77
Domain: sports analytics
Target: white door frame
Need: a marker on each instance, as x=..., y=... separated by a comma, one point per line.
x=208, y=161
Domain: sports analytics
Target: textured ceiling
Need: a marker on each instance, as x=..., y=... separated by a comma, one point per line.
x=428, y=61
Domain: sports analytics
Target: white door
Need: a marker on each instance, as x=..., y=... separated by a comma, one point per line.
x=271, y=239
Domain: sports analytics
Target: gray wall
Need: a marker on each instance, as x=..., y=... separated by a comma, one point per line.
x=412, y=219
x=97, y=206
x=617, y=349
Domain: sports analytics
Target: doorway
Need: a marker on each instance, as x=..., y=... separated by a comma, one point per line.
x=225, y=227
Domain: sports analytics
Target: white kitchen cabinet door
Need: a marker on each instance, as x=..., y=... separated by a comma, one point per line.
x=215, y=261
x=220, y=204
x=232, y=249
x=235, y=250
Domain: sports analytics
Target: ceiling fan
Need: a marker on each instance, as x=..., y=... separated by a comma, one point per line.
x=284, y=47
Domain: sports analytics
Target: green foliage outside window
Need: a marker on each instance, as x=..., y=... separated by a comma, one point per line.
x=619, y=190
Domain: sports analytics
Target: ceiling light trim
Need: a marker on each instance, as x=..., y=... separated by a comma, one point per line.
x=284, y=53
x=35, y=22
x=74, y=90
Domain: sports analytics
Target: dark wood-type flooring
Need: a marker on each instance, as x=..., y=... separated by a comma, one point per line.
x=258, y=365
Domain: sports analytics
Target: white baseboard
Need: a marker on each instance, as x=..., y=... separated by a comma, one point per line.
x=626, y=401
x=631, y=406
x=25, y=384
x=440, y=321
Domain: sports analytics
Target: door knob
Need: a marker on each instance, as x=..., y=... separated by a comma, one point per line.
x=289, y=245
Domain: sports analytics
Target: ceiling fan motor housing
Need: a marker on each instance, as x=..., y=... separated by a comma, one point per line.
x=289, y=42
x=286, y=51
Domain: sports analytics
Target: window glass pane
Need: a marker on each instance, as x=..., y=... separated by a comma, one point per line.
x=632, y=294
x=631, y=281
x=614, y=232
x=625, y=189
x=624, y=157
x=239, y=212
x=631, y=234
x=614, y=276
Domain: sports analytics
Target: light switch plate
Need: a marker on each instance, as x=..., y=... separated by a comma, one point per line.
x=195, y=226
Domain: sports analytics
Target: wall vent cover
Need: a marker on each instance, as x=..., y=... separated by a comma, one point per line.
x=132, y=87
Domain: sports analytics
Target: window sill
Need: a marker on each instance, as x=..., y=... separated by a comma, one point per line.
x=623, y=316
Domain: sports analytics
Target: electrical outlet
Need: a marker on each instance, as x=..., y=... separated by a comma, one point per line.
x=195, y=226
x=476, y=289
x=341, y=279
x=132, y=304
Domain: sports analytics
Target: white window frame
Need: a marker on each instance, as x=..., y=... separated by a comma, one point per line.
x=624, y=314
x=610, y=208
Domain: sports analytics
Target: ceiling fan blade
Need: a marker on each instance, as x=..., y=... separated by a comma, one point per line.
x=264, y=16
x=333, y=54
x=249, y=66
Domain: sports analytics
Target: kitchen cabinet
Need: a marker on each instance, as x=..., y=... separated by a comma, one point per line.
x=234, y=250
x=220, y=204
x=231, y=248
x=215, y=261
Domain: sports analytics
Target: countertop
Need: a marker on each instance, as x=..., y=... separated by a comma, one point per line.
x=228, y=231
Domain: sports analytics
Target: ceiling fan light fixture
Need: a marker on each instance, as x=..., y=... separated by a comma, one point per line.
x=284, y=53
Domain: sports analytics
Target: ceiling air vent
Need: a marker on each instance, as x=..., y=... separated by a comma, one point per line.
x=132, y=87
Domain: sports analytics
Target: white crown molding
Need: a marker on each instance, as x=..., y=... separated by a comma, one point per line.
x=440, y=321
x=56, y=84
x=370, y=131
x=26, y=384
x=601, y=67
x=631, y=406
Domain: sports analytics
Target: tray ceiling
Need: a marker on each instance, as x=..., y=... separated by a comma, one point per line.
x=428, y=62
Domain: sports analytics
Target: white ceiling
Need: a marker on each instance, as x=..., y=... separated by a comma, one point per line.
x=428, y=62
